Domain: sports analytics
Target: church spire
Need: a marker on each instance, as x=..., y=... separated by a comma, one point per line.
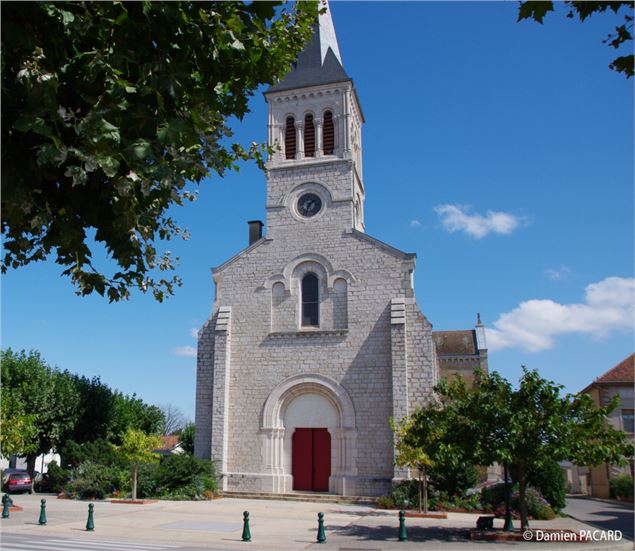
x=320, y=62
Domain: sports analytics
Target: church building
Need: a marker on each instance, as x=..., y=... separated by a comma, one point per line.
x=315, y=339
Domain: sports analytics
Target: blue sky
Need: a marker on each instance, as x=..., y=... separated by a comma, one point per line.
x=500, y=152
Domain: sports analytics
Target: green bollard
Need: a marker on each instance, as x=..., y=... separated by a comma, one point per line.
x=509, y=524
x=42, y=520
x=402, y=526
x=90, y=523
x=246, y=531
x=5, y=506
x=321, y=537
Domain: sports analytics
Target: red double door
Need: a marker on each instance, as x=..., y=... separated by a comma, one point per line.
x=311, y=459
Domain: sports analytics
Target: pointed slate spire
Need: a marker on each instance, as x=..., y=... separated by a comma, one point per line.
x=320, y=61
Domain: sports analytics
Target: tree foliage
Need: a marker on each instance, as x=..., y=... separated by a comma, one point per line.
x=44, y=408
x=96, y=409
x=136, y=448
x=110, y=108
x=425, y=442
x=529, y=427
x=17, y=429
x=537, y=10
x=188, y=435
x=48, y=396
x=132, y=412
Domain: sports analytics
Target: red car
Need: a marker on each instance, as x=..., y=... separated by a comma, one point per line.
x=19, y=482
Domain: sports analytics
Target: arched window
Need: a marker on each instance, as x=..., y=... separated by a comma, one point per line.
x=310, y=301
x=289, y=138
x=328, y=134
x=309, y=136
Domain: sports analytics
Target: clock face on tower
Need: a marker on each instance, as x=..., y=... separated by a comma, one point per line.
x=309, y=205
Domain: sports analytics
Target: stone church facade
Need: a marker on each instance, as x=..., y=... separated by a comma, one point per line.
x=315, y=339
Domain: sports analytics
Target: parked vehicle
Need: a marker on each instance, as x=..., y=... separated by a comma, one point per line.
x=486, y=484
x=18, y=482
x=41, y=483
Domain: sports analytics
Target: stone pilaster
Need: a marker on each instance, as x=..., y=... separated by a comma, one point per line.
x=204, y=386
x=220, y=400
x=399, y=353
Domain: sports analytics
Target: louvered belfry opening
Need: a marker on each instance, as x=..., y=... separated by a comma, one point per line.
x=309, y=136
x=328, y=134
x=289, y=139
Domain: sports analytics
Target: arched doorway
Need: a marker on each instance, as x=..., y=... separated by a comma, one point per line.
x=308, y=430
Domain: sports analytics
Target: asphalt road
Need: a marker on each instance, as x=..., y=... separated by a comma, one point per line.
x=602, y=514
x=19, y=542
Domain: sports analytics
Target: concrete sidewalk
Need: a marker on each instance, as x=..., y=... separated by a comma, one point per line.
x=275, y=525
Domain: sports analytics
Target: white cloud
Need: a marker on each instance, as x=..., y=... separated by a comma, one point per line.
x=458, y=218
x=414, y=223
x=533, y=325
x=194, y=332
x=559, y=273
x=185, y=351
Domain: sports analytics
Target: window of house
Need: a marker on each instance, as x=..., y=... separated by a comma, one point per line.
x=309, y=136
x=289, y=138
x=627, y=420
x=310, y=301
x=328, y=134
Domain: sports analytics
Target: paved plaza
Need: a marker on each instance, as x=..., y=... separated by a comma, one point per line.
x=275, y=525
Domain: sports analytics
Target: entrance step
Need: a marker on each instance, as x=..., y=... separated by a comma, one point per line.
x=298, y=496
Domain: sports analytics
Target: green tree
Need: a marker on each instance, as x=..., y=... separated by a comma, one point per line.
x=529, y=427
x=96, y=409
x=132, y=412
x=47, y=394
x=187, y=438
x=138, y=447
x=17, y=429
x=425, y=442
x=537, y=10
x=110, y=108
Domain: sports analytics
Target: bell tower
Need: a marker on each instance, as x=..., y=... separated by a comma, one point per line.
x=314, y=176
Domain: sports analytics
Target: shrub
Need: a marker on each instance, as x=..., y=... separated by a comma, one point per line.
x=454, y=479
x=385, y=502
x=92, y=480
x=492, y=496
x=57, y=477
x=549, y=479
x=185, y=475
x=405, y=494
x=537, y=506
x=147, y=485
x=493, y=501
x=622, y=486
x=457, y=503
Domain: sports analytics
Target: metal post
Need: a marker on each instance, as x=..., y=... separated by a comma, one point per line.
x=402, y=526
x=246, y=531
x=90, y=523
x=42, y=519
x=5, y=506
x=321, y=535
x=509, y=525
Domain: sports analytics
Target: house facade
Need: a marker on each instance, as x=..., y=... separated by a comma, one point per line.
x=617, y=381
